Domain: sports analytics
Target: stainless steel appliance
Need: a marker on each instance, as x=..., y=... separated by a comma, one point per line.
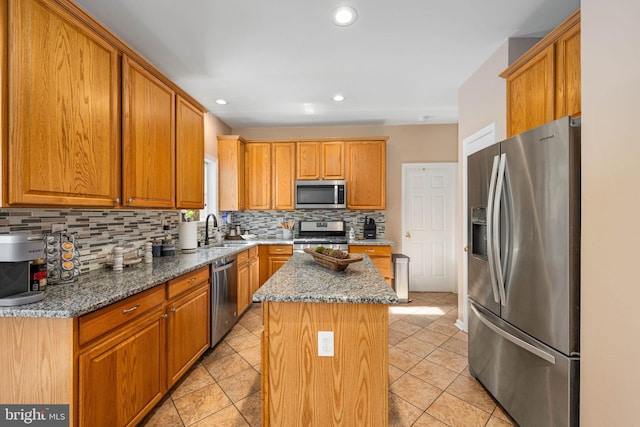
x=524, y=285
x=330, y=234
x=17, y=252
x=224, y=297
x=330, y=194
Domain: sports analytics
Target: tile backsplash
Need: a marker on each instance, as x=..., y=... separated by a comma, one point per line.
x=98, y=231
x=266, y=224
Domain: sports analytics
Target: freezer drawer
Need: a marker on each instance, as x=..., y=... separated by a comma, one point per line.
x=534, y=383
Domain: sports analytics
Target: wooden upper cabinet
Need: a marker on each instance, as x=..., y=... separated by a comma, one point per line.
x=63, y=139
x=366, y=174
x=282, y=175
x=269, y=175
x=544, y=84
x=258, y=175
x=568, y=74
x=189, y=155
x=231, y=173
x=320, y=160
x=530, y=93
x=148, y=140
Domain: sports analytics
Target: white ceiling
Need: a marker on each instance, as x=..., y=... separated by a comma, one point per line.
x=399, y=62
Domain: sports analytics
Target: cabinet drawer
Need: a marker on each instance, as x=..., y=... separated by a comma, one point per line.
x=280, y=249
x=243, y=257
x=370, y=249
x=187, y=281
x=106, y=319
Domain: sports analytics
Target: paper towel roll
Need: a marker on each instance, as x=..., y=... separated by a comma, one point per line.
x=188, y=236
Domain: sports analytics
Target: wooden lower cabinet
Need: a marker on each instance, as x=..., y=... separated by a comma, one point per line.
x=121, y=377
x=113, y=365
x=300, y=388
x=380, y=256
x=248, y=277
x=272, y=257
x=188, y=330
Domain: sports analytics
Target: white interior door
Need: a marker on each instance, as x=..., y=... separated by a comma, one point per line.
x=429, y=225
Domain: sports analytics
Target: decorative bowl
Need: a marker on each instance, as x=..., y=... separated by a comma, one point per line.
x=330, y=262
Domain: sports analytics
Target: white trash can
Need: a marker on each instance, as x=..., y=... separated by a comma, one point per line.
x=400, y=276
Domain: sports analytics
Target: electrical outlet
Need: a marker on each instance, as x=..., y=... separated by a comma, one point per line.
x=58, y=227
x=325, y=343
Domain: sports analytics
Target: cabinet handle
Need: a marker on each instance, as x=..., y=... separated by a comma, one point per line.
x=129, y=310
x=116, y=200
x=165, y=316
x=193, y=279
x=129, y=200
x=173, y=309
x=369, y=250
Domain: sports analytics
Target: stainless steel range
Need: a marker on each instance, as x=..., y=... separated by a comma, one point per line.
x=330, y=234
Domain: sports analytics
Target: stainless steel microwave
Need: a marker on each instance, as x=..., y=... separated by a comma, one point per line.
x=321, y=194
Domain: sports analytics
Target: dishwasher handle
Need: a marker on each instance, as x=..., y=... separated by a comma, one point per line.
x=223, y=267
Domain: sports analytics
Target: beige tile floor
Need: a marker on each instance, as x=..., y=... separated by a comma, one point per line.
x=429, y=383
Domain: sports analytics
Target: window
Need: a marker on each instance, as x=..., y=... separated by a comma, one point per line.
x=210, y=188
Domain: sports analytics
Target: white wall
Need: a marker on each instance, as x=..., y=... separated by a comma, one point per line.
x=610, y=279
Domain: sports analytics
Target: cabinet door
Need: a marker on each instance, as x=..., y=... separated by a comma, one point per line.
x=307, y=160
x=243, y=287
x=254, y=272
x=122, y=378
x=380, y=256
x=568, y=74
x=254, y=277
x=282, y=172
x=277, y=261
x=258, y=175
x=63, y=109
x=366, y=177
x=188, y=333
x=231, y=188
x=148, y=139
x=189, y=156
x=530, y=93
x=332, y=160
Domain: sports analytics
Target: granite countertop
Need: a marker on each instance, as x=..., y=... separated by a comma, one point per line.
x=301, y=279
x=102, y=287
x=99, y=288
x=372, y=242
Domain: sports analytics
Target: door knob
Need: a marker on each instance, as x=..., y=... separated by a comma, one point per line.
x=408, y=235
x=466, y=248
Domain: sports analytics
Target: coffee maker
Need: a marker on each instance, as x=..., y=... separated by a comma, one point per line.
x=17, y=252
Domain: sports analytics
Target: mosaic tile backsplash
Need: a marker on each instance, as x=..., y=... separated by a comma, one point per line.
x=266, y=224
x=98, y=231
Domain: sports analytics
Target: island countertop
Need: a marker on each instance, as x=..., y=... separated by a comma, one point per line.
x=301, y=279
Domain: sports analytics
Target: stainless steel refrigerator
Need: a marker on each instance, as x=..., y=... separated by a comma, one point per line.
x=524, y=265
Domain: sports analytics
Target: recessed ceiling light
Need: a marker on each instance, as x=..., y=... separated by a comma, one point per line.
x=221, y=101
x=344, y=16
x=338, y=97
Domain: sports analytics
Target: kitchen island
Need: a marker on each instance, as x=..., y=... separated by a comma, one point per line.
x=349, y=387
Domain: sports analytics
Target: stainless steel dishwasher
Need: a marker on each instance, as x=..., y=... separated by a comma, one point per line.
x=224, y=300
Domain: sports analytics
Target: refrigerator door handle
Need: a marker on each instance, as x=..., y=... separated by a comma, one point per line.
x=490, y=241
x=496, y=228
x=515, y=340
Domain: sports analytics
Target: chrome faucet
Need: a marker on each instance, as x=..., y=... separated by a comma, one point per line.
x=206, y=227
